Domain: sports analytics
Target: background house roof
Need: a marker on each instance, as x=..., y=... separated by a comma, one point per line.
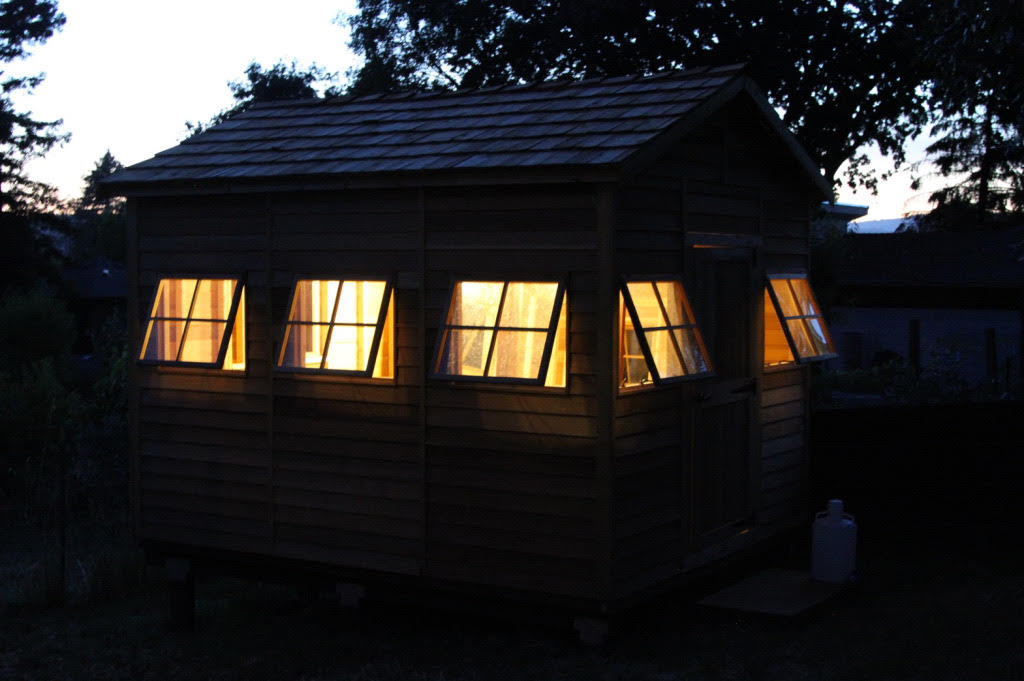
x=599, y=122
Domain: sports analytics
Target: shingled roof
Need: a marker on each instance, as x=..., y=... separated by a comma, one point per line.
x=594, y=123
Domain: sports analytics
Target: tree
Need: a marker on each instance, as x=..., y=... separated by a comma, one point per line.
x=100, y=221
x=838, y=70
x=278, y=83
x=104, y=168
x=24, y=203
x=976, y=54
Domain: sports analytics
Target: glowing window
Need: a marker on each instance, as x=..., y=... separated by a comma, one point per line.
x=505, y=331
x=197, y=322
x=340, y=326
x=793, y=326
x=658, y=337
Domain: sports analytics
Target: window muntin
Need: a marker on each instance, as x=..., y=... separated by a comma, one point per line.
x=189, y=320
x=505, y=331
x=658, y=336
x=343, y=326
x=794, y=329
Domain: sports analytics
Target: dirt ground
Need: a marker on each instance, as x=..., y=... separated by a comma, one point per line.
x=943, y=600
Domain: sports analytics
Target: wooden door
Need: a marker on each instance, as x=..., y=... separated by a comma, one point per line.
x=721, y=469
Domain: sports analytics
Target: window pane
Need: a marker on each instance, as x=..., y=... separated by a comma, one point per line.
x=664, y=354
x=528, y=305
x=776, y=347
x=202, y=341
x=557, y=365
x=674, y=299
x=694, y=360
x=360, y=302
x=349, y=347
x=517, y=354
x=817, y=335
x=646, y=303
x=788, y=303
x=804, y=297
x=384, y=367
x=303, y=346
x=174, y=297
x=234, y=359
x=475, y=303
x=213, y=299
x=314, y=300
x=634, y=365
x=162, y=340
x=465, y=352
x=809, y=337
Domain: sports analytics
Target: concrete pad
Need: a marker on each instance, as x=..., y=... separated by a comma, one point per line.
x=774, y=592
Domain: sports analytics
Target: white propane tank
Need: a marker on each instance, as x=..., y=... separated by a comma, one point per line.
x=833, y=544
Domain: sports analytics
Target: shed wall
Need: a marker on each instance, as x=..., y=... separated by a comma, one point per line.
x=721, y=180
x=485, y=484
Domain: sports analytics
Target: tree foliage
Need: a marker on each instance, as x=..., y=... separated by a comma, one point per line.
x=24, y=204
x=280, y=82
x=92, y=198
x=23, y=23
x=976, y=53
x=838, y=70
x=99, y=220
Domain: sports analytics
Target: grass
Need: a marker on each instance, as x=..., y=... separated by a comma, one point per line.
x=937, y=601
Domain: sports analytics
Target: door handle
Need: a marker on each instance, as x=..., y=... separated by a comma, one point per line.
x=702, y=397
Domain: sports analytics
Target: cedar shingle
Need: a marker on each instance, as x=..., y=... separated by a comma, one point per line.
x=593, y=122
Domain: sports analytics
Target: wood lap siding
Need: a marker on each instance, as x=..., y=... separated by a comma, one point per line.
x=330, y=469
x=784, y=465
x=203, y=462
x=340, y=484
x=346, y=453
x=510, y=470
x=648, y=435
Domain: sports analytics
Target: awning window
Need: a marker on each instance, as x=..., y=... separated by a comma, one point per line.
x=196, y=322
x=658, y=336
x=504, y=331
x=341, y=326
x=794, y=330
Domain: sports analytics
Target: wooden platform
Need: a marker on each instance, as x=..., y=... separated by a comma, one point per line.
x=775, y=591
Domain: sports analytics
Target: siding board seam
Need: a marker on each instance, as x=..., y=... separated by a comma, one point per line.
x=268, y=225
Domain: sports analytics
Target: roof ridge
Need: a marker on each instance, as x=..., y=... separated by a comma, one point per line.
x=566, y=83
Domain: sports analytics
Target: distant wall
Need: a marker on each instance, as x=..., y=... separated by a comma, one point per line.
x=953, y=339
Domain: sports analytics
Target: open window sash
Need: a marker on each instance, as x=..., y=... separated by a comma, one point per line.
x=341, y=327
x=505, y=331
x=658, y=320
x=196, y=322
x=792, y=313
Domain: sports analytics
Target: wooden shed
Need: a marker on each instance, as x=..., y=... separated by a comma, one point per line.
x=543, y=341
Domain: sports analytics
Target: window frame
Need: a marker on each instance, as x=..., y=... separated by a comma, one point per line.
x=798, y=359
x=378, y=334
x=561, y=298
x=229, y=323
x=641, y=332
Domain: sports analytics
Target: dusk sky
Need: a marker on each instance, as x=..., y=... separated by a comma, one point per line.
x=125, y=75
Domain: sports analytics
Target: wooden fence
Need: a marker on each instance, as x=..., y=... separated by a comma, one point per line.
x=949, y=462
